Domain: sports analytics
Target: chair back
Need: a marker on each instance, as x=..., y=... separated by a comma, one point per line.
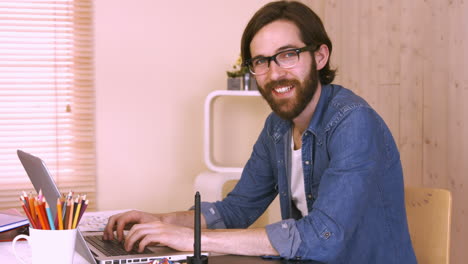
x=429, y=216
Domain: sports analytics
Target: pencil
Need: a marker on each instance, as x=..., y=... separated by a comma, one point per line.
x=77, y=213
x=33, y=211
x=67, y=215
x=70, y=214
x=83, y=208
x=59, y=214
x=40, y=216
x=25, y=200
x=43, y=212
x=28, y=214
x=49, y=216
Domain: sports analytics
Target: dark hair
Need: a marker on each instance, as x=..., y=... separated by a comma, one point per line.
x=309, y=24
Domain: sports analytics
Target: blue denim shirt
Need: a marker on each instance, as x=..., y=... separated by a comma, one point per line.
x=353, y=183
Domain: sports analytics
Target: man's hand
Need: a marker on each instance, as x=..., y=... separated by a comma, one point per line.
x=119, y=221
x=174, y=236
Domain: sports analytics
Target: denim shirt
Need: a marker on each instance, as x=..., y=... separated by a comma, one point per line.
x=353, y=184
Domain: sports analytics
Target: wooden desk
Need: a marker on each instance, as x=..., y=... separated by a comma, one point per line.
x=232, y=259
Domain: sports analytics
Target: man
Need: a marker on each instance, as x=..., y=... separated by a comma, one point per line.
x=323, y=150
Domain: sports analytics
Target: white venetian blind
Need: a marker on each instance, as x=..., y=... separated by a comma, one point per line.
x=46, y=94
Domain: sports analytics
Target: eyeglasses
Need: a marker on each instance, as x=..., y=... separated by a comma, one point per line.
x=285, y=59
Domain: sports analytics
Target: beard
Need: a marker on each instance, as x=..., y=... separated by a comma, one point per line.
x=290, y=108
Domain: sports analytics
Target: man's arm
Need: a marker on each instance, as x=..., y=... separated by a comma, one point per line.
x=118, y=222
x=253, y=242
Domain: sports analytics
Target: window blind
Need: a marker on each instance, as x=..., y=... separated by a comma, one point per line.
x=47, y=94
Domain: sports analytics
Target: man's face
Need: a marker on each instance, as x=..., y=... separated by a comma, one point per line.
x=287, y=91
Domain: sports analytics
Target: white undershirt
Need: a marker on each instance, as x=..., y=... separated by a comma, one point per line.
x=297, y=181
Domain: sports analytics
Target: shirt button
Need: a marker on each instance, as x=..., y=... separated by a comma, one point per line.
x=307, y=162
x=310, y=196
x=327, y=235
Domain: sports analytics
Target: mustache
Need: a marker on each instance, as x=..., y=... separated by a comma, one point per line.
x=281, y=83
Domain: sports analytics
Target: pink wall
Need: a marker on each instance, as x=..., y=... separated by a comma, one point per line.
x=155, y=63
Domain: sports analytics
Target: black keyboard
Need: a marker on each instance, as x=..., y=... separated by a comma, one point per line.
x=112, y=247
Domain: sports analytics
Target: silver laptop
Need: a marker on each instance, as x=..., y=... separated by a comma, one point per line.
x=90, y=244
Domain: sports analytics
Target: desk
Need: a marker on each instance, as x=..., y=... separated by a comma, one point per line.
x=232, y=259
x=22, y=247
x=96, y=219
x=7, y=256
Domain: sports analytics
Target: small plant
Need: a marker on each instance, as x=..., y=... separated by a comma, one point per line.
x=237, y=69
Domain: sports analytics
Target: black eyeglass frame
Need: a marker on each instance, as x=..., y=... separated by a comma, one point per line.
x=248, y=63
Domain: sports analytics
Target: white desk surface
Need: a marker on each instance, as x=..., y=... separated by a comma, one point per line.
x=23, y=250
x=91, y=221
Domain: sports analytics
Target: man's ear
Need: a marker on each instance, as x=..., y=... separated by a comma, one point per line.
x=321, y=56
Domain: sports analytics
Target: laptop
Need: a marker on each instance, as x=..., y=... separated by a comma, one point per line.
x=90, y=244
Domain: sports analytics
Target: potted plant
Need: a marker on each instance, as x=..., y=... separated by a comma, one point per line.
x=235, y=76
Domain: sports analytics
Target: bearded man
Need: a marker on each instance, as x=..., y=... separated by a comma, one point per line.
x=327, y=154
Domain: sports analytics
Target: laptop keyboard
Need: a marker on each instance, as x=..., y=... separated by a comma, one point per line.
x=112, y=247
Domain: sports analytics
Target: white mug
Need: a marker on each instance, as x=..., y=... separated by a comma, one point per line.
x=49, y=246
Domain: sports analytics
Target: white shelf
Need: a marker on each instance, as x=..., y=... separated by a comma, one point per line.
x=207, y=129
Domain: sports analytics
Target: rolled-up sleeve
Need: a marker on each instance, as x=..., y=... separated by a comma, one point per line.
x=212, y=216
x=284, y=237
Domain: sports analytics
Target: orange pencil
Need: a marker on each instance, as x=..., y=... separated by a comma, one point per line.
x=40, y=216
x=59, y=214
x=70, y=218
x=31, y=207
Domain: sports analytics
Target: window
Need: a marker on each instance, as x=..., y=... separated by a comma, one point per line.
x=46, y=94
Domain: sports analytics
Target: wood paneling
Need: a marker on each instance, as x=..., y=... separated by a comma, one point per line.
x=408, y=59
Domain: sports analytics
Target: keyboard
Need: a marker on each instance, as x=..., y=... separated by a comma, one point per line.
x=112, y=247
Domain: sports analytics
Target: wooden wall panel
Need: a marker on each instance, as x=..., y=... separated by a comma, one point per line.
x=456, y=50
x=386, y=61
x=409, y=60
x=411, y=90
x=435, y=82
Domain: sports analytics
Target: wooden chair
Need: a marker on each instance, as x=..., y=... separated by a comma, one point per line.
x=429, y=217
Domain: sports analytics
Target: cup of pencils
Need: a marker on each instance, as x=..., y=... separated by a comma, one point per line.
x=52, y=232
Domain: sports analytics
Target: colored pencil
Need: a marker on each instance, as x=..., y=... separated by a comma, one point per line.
x=59, y=214
x=43, y=212
x=83, y=208
x=49, y=216
x=39, y=213
x=77, y=213
x=28, y=214
x=72, y=211
x=40, y=216
x=67, y=215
